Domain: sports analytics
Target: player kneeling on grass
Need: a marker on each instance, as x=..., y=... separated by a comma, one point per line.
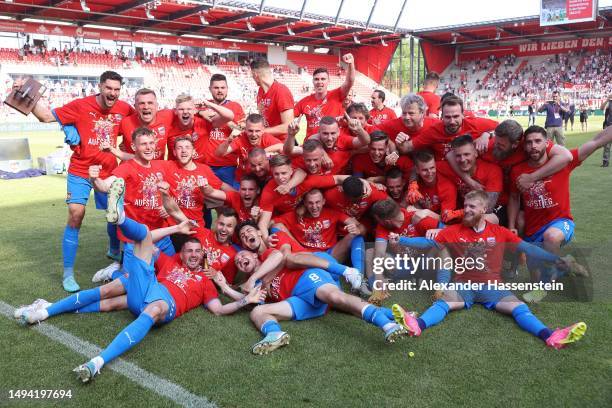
x=476, y=237
x=181, y=285
x=302, y=294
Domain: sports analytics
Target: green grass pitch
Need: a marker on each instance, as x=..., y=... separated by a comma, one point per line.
x=475, y=358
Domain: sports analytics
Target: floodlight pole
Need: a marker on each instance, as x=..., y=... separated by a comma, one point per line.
x=371, y=14
x=419, y=65
x=338, y=13
x=411, y=64
x=303, y=9
x=399, y=16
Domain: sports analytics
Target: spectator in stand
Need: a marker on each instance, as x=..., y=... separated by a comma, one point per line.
x=432, y=80
x=554, y=119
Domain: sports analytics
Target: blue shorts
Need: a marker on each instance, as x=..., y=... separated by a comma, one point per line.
x=489, y=298
x=303, y=301
x=227, y=174
x=564, y=224
x=141, y=285
x=78, y=192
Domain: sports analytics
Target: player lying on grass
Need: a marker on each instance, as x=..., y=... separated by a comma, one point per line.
x=181, y=285
x=299, y=293
x=302, y=294
x=473, y=238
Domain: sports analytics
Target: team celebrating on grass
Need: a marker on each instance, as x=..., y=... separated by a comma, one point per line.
x=292, y=220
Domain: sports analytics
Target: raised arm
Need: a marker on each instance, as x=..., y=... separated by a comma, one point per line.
x=349, y=80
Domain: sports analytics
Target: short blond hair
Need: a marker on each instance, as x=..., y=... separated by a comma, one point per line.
x=477, y=195
x=183, y=98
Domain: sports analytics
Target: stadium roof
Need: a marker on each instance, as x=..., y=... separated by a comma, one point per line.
x=514, y=31
x=247, y=20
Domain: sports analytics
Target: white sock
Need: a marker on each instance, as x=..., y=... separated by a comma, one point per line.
x=120, y=216
x=364, y=308
x=388, y=326
x=98, y=362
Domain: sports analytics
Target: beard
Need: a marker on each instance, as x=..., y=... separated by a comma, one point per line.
x=501, y=154
x=471, y=221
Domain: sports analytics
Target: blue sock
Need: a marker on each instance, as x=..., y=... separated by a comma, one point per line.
x=118, y=273
x=357, y=251
x=374, y=315
x=528, y=322
x=113, y=241
x=133, y=230
x=90, y=308
x=371, y=280
x=336, y=268
x=443, y=276
x=128, y=338
x=74, y=302
x=434, y=315
x=388, y=312
x=270, y=326
x=70, y=244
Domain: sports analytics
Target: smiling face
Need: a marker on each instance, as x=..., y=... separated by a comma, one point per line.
x=144, y=147
x=183, y=151
x=146, y=107
x=412, y=117
x=224, y=228
x=191, y=255
x=466, y=157
x=250, y=237
x=185, y=112
x=377, y=151
x=426, y=170
x=109, y=93
x=313, y=161
x=474, y=209
x=395, y=187
x=246, y=262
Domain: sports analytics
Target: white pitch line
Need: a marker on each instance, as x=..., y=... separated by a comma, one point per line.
x=129, y=370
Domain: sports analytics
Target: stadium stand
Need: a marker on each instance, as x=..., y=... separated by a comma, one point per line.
x=71, y=74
